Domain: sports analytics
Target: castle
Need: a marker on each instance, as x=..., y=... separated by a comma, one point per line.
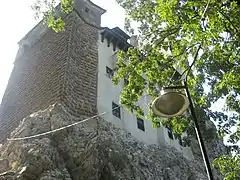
x=75, y=68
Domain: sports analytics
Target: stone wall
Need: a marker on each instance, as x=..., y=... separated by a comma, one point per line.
x=80, y=84
x=35, y=81
x=58, y=67
x=92, y=150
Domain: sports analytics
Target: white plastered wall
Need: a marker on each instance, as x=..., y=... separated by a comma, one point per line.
x=108, y=93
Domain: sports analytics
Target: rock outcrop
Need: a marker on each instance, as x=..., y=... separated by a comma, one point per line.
x=92, y=150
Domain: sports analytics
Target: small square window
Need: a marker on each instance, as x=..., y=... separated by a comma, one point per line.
x=170, y=134
x=116, y=111
x=109, y=72
x=140, y=124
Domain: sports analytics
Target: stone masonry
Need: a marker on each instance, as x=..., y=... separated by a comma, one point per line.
x=92, y=150
x=55, y=67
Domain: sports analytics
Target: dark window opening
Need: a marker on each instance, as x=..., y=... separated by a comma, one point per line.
x=140, y=124
x=180, y=140
x=170, y=133
x=116, y=111
x=109, y=72
x=86, y=9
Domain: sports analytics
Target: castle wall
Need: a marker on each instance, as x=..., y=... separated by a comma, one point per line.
x=80, y=84
x=55, y=67
x=36, y=80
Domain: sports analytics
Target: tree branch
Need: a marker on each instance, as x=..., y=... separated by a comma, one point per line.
x=189, y=47
x=169, y=32
x=234, y=27
x=194, y=60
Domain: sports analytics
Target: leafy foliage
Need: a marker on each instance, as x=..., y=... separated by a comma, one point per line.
x=229, y=166
x=50, y=13
x=173, y=33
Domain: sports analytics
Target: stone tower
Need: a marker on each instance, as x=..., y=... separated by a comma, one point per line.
x=55, y=68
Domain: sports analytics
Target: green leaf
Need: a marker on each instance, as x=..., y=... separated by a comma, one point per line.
x=169, y=34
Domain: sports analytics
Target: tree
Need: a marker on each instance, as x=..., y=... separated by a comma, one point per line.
x=173, y=33
x=47, y=10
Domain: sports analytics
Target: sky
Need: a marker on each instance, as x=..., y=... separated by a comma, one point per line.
x=17, y=20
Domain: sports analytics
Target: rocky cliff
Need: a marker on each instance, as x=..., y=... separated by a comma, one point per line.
x=92, y=150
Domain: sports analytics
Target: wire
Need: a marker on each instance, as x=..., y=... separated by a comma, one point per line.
x=194, y=61
x=187, y=70
x=76, y=123
x=58, y=129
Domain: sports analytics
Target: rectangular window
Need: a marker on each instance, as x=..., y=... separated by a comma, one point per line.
x=180, y=140
x=109, y=72
x=116, y=111
x=170, y=134
x=140, y=124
